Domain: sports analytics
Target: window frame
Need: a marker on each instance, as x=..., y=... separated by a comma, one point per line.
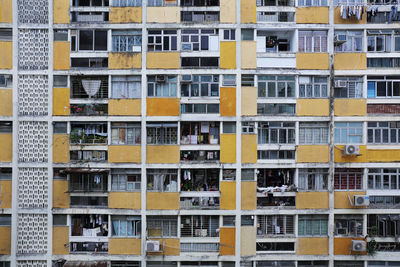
x=347, y=131
x=318, y=131
x=170, y=86
x=352, y=38
x=168, y=40
x=117, y=127
x=136, y=225
x=283, y=130
x=164, y=175
x=117, y=41
x=317, y=179
x=288, y=81
x=317, y=37
x=306, y=220
x=313, y=86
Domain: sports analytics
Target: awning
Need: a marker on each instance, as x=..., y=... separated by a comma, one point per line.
x=85, y=264
x=84, y=170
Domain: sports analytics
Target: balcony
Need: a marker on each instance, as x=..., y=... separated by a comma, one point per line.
x=89, y=16
x=199, y=226
x=89, y=202
x=204, y=202
x=200, y=180
x=88, y=182
x=200, y=156
x=275, y=226
x=89, y=87
x=200, y=133
x=88, y=156
x=200, y=16
x=89, y=109
x=88, y=133
x=268, y=17
x=89, y=226
x=275, y=201
x=88, y=247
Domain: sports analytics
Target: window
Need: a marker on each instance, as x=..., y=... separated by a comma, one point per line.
x=88, y=182
x=88, y=155
x=229, y=127
x=4, y=264
x=200, y=3
x=386, y=179
x=313, y=87
x=348, y=87
x=5, y=220
x=59, y=220
x=313, y=41
x=89, y=17
x=313, y=263
x=5, y=34
x=199, y=226
x=126, y=87
x=199, y=16
x=275, y=3
x=313, y=133
x=125, y=179
x=383, y=40
x=200, y=108
x=59, y=35
x=276, y=132
x=228, y=220
x=229, y=35
x=89, y=62
x=124, y=3
x=88, y=133
x=228, y=80
x=199, y=62
x=162, y=2
x=200, y=86
x=162, y=40
x=352, y=41
x=276, y=86
x=200, y=133
x=272, y=264
x=247, y=34
x=383, y=86
x=248, y=174
x=126, y=41
x=162, y=85
x=313, y=225
x=200, y=40
x=383, y=62
x=59, y=127
x=125, y=264
x=313, y=2
x=248, y=127
x=60, y=81
x=266, y=16
x=247, y=220
x=162, y=180
x=384, y=202
x=276, y=154
x=162, y=226
x=275, y=246
x=348, y=132
x=5, y=173
x=348, y=179
x=5, y=127
x=274, y=41
x=247, y=80
x=384, y=263
x=88, y=40
x=126, y=226
x=83, y=85
x=348, y=225
x=6, y=81
x=162, y=133
x=313, y=179
x=123, y=133
x=383, y=225
x=383, y=132
x=349, y=264
x=275, y=109
x=92, y=3
x=280, y=225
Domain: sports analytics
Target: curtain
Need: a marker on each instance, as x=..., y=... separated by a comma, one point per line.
x=91, y=86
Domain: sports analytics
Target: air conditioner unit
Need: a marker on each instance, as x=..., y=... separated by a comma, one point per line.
x=186, y=79
x=136, y=48
x=361, y=200
x=340, y=84
x=341, y=231
x=358, y=245
x=351, y=150
x=161, y=78
x=153, y=246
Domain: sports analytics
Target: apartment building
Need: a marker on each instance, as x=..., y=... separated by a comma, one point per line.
x=182, y=133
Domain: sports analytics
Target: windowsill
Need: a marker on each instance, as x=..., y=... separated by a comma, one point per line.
x=125, y=237
x=125, y=191
x=276, y=54
x=125, y=144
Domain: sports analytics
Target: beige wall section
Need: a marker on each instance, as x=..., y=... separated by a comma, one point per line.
x=6, y=193
x=249, y=54
x=228, y=195
x=312, y=61
x=312, y=107
x=6, y=55
x=162, y=106
x=313, y=153
x=249, y=195
x=124, y=107
x=350, y=61
x=162, y=201
x=227, y=11
x=124, y=154
x=124, y=200
x=247, y=241
x=313, y=246
x=124, y=61
x=227, y=55
x=169, y=247
x=169, y=14
x=313, y=15
x=350, y=107
x=5, y=147
x=6, y=103
x=228, y=148
x=162, y=154
x=60, y=240
x=6, y=12
x=163, y=60
x=352, y=20
x=249, y=101
x=227, y=101
x=60, y=101
x=60, y=194
x=124, y=246
x=61, y=56
x=125, y=14
x=342, y=199
x=312, y=200
x=249, y=148
x=60, y=148
x=248, y=11
x=5, y=240
x=61, y=11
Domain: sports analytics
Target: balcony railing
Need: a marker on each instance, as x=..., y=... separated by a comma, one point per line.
x=98, y=138
x=200, y=203
x=89, y=109
x=92, y=202
x=92, y=247
x=192, y=156
x=275, y=16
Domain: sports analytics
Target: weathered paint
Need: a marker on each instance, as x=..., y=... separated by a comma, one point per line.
x=249, y=195
x=228, y=55
x=247, y=240
x=249, y=148
x=368, y=155
x=350, y=61
x=312, y=200
x=125, y=14
x=249, y=101
x=162, y=106
x=61, y=12
x=124, y=246
x=162, y=154
x=60, y=194
x=124, y=154
x=6, y=103
x=124, y=107
x=227, y=11
x=124, y=61
x=248, y=11
x=312, y=61
x=313, y=246
x=60, y=148
x=249, y=54
x=227, y=241
x=61, y=55
x=168, y=247
x=312, y=107
x=342, y=246
x=313, y=153
x=169, y=14
x=228, y=148
x=163, y=60
x=341, y=157
x=6, y=194
x=350, y=107
x=5, y=240
x=124, y=200
x=227, y=101
x=228, y=195
x=312, y=15
x=342, y=199
x=61, y=101
x=162, y=201
x=60, y=240
x=5, y=147
x=352, y=20
x=6, y=12
x=6, y=55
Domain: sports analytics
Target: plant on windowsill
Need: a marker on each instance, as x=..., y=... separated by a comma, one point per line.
x=371, y=247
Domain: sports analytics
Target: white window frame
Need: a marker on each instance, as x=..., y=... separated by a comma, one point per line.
x=313, y=87
x=317, y=43
x=313, y=133
x=345, y=131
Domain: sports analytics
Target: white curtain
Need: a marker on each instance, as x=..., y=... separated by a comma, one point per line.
x=91, y=86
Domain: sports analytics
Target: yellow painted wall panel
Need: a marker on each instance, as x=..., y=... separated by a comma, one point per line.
x=124, y=200
x=313, y=153
x=352, y=20
x=121, y=61
x=312, y=200
x=168, y=246
x=227, y=241
x=124, y=246
x=312, y=61
x=5, y=240
x=342, y=246
x=6, y=12
x=249, y=101
x=313, y=246
x=350, y=107
x=125, y=14
x=228, y=101
x=60, y=194
x=61, y=101
x=313, y=15
x=350, y=61
x=228, y=148
x=6, y=147
x=228, y=195
x=163, y=60
x=249, y=54
x=227, y=11
x=124, y=154
x=247, y=241
x=342, y=199
x=162, y=106
x=162, y=154
x=124, y=107
x=61, y=11
x=162, y=201
x=312, y=107
x=249, y=195
x=383, y=155
x=60, y=240
x=169, y=14
x=6, y=55
x=60, y=148
x=248, y=11
x=6, y=102
x=6, y=194
x=341, y=157
x=249, y=148
x=228, y=55
x=61, y=57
